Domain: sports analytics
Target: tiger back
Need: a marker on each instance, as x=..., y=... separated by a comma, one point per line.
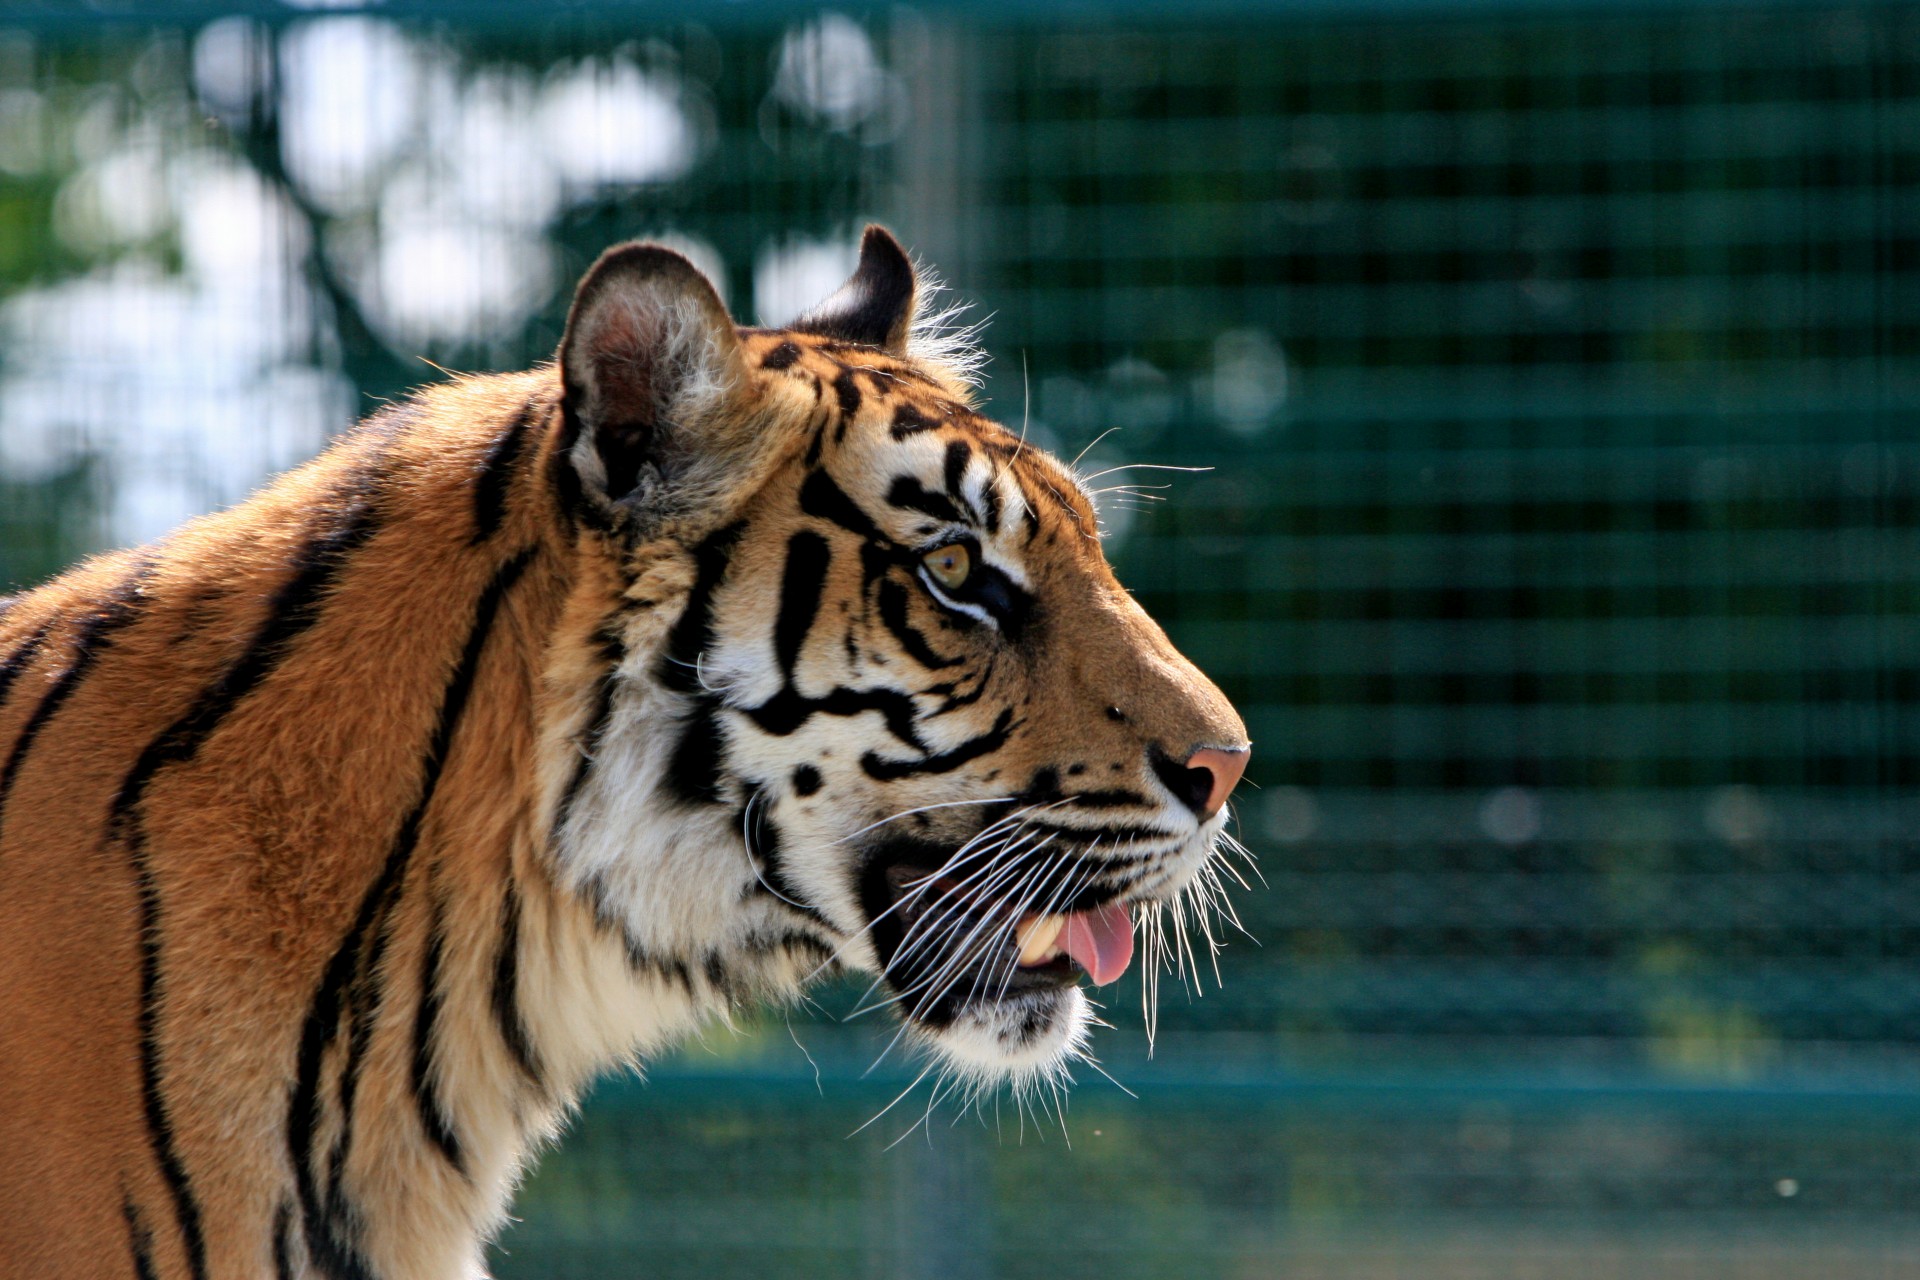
x=346, y=834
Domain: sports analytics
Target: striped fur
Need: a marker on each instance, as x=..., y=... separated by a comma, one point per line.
x=345, y=835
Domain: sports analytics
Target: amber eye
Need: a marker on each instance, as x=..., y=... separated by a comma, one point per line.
x=950, y=565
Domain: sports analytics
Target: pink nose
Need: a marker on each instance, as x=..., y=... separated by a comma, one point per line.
x=1226, y=768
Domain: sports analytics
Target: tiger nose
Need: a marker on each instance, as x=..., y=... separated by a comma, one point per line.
x=1206, y=780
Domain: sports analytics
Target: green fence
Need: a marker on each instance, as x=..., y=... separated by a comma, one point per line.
x=1557, y=369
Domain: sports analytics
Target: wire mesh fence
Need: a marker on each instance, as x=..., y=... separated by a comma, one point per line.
x=1556, y=374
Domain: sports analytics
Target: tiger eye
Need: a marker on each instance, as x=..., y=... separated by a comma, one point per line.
x=950, y=565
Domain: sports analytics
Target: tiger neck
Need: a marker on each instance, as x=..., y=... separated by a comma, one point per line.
x=550, y=906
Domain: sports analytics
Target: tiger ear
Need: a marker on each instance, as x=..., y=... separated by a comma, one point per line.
x=649, y=357
x=875, y=306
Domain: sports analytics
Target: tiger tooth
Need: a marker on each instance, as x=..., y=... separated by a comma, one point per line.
x=1036, y=936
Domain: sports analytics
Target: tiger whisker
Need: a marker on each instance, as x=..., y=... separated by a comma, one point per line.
x=924, y=808
x=995, y=871
x=960, y=855
x=929, y=937
x=1091, y=446
x=1134, y=466
x=897, y=1100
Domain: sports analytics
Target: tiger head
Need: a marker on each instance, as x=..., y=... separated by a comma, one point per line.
x=898, y=707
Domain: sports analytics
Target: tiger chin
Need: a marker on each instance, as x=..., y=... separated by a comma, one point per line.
x=346, y=834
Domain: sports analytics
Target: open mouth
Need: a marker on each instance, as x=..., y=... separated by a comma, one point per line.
x=950, y=941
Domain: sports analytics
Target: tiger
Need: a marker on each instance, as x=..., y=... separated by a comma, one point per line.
x=542, y=719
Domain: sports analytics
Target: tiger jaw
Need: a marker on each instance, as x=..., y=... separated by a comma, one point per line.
x=986, y=961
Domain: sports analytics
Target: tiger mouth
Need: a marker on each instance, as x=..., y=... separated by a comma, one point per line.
x=946, y=943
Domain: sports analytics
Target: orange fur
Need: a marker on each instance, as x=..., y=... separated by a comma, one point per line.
x=286, y=789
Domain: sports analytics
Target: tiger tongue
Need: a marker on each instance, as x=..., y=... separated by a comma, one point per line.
x=1101, y=942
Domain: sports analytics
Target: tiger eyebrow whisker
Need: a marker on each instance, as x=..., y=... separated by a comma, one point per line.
x=1091, y=446
x=1135, y=466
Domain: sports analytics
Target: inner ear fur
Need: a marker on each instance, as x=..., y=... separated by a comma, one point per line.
x=649, y=354
x=875, y=306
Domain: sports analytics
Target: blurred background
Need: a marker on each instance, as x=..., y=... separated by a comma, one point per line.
x=1556, y=366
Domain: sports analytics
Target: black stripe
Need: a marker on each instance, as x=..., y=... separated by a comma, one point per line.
x=893, y=615
x=294, y=608
x=847, y=389
x=613, y=652
x=1031, y=515
x=883, y=770
x=781, y=357
x=365, y=998
x=93, y=637
x=329, y=1227
x=718, y=976
x=805, y=578
x=952, y=701
x=694, y=775
x=909, y=494
x=283, y=1241
x=909, y=421
x=787, y=710
x=506, y=991
x=821, y=497
x=765, y=847
x=490, y=486
x=817, y=442
x=589, y=748
x=694, y=769
x=186, y=1208
x=426, y=1096
x=692, y=635
x=666, y=968
x=959, y=454
x=990, y=494
x=139, y=1241
x=22, y=658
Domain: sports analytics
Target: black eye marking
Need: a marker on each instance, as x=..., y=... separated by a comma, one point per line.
x=1116, y=715
x=893, y=615
x=987, y=589
x=806, y=780
x=909, y=494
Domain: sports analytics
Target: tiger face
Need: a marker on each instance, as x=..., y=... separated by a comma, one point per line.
x=924, y=724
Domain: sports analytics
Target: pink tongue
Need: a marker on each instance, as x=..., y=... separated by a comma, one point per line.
x=1101, y=942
